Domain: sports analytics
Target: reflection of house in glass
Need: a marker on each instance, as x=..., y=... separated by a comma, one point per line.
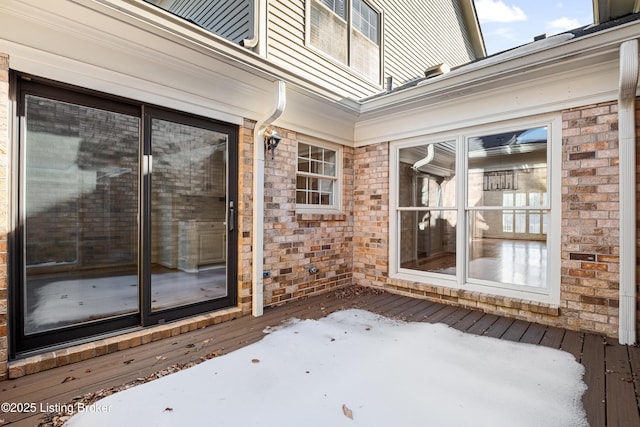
x=502, y=241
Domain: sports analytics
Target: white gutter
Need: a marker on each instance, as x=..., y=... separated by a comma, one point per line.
x=257, y=243
x=627, y=155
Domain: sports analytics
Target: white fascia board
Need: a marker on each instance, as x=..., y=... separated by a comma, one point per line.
x=161, y=24
x=504, y=101
x=126, y=61
x=132, y=49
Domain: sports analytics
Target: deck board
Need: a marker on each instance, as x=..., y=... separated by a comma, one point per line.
x=481, y=326
x=622, y=406
x=499, y=327
x=612, y=371
x=516, y=331
x=572, y=342
x=534, y=334
x=593, y=355
x=634, y=360
x=469, y=320
x=439, y=315
x=552, y=337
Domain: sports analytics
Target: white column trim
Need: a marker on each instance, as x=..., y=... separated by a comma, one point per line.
x=627, y=154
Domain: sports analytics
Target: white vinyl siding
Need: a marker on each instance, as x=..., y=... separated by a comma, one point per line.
x=412, y=36
x=436, y=37
x=287, y=47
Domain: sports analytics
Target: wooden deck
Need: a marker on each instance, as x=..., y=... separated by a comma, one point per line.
x=612, y=370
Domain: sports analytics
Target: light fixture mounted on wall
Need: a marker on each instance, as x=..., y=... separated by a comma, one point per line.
x=271, y=140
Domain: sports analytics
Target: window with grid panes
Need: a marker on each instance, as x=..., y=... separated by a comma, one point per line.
x=317, y=176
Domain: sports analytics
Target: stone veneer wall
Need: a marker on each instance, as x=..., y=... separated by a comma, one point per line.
x=4, y=200
x=294, y=242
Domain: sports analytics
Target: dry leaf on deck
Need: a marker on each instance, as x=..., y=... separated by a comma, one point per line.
x=347, y=412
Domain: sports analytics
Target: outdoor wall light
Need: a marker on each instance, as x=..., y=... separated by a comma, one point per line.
x=271, y=140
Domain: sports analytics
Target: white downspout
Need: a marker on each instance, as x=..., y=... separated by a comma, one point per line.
x=257, y=243
x=259, y=28
x=627, y=155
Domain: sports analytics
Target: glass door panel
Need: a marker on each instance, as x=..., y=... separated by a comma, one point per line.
x=80, y=209
x=188, y=214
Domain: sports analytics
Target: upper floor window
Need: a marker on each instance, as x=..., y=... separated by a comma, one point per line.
x=337, y=6
x=366, y=20
x=348, y=31
x=317, y=177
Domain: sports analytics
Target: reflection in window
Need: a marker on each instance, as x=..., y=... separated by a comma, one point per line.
x=80, y=213
x=504, y=220
x=508, y=207
x=427, y=197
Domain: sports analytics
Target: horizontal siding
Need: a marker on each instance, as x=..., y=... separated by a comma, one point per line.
x=436, y=35
x=286, y=23
x=231, y=19
x=417, y=34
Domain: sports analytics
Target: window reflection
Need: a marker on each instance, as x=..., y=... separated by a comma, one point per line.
x=80, y=214
x=508, y=207
x=427, y=179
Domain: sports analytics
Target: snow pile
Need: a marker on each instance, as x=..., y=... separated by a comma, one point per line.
x=355, y=368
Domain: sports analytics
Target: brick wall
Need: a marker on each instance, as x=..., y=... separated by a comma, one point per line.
x=294, y=242
x=4, y=216
x=590, y=219
x=371, y=213
x=245, y=213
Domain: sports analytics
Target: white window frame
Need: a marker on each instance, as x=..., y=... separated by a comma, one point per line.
x=548, y=295
x=336, y=206
x=350, y=28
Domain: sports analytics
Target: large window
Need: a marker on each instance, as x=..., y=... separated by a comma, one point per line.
x=487, y=229
x=349, y=32
x=317, y=183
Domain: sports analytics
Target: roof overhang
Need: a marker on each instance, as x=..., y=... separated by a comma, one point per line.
x=550, y=75
x=607, y=10
x=470, y=18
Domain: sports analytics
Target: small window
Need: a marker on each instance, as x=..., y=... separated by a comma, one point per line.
x=365, y=20
x=317, y=184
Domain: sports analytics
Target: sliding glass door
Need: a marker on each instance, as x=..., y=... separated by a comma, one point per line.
x=191, y=216
x=125, y=216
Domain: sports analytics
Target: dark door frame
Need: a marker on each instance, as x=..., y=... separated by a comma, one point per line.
x=21, y=344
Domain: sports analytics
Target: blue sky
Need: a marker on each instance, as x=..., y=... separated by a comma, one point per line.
x=509, y=23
